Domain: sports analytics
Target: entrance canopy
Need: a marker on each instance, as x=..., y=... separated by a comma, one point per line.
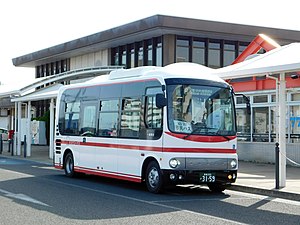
x=45, y=93
x=279, y=60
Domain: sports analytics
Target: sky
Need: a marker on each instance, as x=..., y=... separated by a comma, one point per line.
x=31, y=25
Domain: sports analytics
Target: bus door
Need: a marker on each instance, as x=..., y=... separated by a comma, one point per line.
x=140, y=132
x=87, y=132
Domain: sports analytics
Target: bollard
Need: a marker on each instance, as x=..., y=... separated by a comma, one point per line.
x=1, y=144
x=12, y=145
x=276, y=165
x=9, y=143
x=25, y=146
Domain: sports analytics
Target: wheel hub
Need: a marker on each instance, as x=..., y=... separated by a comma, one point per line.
x=153, y=177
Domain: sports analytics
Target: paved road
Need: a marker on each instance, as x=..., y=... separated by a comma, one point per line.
x=32, y=193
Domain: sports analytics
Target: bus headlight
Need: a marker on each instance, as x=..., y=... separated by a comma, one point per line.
x=233, y=163
x=174, y=163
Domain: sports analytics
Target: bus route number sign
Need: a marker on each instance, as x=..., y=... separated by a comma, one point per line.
x=207, y=177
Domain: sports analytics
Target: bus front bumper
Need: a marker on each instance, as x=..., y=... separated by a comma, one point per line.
x=174, y=177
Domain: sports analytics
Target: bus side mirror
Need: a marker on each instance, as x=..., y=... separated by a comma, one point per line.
x=161, y=100
x=248, y=106
x=247, y=101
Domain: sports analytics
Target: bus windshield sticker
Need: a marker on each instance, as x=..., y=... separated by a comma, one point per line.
x=182, y=127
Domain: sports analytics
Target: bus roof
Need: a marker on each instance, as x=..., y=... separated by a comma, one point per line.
x=182, y=69
x=175, y=70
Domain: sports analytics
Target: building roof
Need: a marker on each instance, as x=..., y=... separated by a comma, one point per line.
x=279, y=60
x=153, y=26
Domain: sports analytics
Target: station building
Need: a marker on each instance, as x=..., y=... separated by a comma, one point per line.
x=160, y=40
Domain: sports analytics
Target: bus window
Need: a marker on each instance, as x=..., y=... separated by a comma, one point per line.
x=130, y=118
x=153, y=117
x=88, y=118
x=71, y=118
x=108, y=118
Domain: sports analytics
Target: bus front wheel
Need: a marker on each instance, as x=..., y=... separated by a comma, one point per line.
x=69, y=165
x=154, y=180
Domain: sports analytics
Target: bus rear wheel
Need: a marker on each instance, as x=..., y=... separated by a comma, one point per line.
x=69, y=165
x=154, y=180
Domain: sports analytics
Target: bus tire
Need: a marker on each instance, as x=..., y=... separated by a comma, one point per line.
x=69, y=165
x=216, y=188
x=154, y=179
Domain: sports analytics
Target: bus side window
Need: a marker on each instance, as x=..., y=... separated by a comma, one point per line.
x=130, y=117
x=153, y=115
x=88, y=118
x=71, y=118
x=108, y=118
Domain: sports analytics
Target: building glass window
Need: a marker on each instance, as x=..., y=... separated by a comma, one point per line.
x=149, y=53
x=198, y=52
x=141, y=56
x=131, y=56
x=58, y=67
x=265, y=120
x=214, y=55
x=243, y=125
x=182, y=50
x=273, y=124
x=240, y=100
x=295, y=97
x=295, y=124
x=273, y=98
x=260, y=99
x=158, y=52
x=115, y=56
x=124, y=57
x=242, y=47
x=229, y=54
x=261, y=124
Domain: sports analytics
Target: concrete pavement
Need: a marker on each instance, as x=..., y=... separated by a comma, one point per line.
x=256, y=178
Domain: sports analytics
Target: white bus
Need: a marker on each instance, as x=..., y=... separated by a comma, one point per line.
x=159, y=125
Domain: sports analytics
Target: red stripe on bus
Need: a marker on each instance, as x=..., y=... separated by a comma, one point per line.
x=107, y=145
x=200, y=150
x=198, y=138
x=150, y=148
x=108, y=174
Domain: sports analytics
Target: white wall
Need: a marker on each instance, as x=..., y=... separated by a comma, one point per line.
x=94, y=59
x=265, y=152
x=4, y=122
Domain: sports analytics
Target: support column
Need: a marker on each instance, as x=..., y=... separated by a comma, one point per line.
x=19, y=128
x=282, y=130
x=51, y=141
x=28, y=133
x=16, y=128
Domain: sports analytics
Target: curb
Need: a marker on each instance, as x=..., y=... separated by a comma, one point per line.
x=261, y=191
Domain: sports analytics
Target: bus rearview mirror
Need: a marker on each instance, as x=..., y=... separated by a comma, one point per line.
x=161, y=100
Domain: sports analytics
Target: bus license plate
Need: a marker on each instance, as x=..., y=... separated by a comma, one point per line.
x=207, y=177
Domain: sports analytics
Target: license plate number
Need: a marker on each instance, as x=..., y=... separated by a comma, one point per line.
x=207, y=177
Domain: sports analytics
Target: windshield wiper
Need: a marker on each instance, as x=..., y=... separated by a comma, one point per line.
x=224, y=136
x=193, y=132
x=204, y=127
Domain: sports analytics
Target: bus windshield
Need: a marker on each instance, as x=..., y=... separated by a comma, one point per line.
x=201, y=110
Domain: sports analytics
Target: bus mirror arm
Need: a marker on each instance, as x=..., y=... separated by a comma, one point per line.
x=161, y=100
x=247, y=101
